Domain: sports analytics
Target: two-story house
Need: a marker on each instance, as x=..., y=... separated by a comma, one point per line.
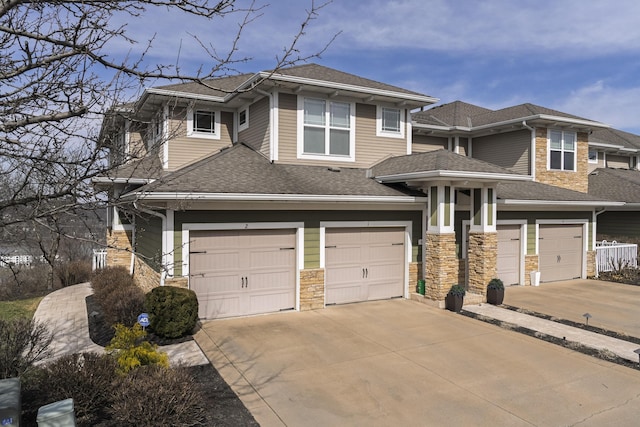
x=310, y=186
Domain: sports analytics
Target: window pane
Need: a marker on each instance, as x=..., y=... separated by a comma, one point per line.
x=556, y=139
x=556, y=160
x=242, y=119
x=568, y=161
x=593, y=156
x=339, y=143
x=391, y=120
x=313, y=140
x=314, y=112
x=340, y=114
x=203, y=121
x=569, y=141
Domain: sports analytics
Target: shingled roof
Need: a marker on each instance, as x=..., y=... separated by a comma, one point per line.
x=615, y=137
x=615, y=184
x=539, y=192
x=456, y=113
x=438, y=160
x=241, y=170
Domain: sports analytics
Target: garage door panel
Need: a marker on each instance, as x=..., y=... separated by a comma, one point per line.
x=364, y=264
x=240, y=272
x=560, y=252
x=509, y=253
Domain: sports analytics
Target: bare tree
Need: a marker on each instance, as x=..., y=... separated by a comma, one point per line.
x=58, y=78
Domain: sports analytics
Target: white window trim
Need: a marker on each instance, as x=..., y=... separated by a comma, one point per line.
x=205, y=135
x=244, y=126
x=390, y=134
x=562, y=151
x=333, y=157
x=593, y=162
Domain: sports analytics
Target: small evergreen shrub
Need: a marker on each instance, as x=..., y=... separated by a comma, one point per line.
x=131, y=351
x=173, y=311
x=89, y=379
x=23, y=343
x=174, y=399
x=457, y=290
x=496, y=284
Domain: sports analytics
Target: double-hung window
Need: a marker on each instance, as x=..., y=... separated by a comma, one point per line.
x=203, y=123
x=327, y=129
x=389, y=122
x=562, y=150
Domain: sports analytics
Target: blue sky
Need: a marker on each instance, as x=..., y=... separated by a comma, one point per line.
x=577, y=56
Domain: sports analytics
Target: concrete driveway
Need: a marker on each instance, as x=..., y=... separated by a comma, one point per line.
x=399, y=362
x=613, y=306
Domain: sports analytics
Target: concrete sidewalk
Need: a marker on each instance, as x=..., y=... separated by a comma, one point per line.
x=621, y=348
x=65, y=314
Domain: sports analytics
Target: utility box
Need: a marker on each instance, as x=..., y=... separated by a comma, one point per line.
x=57, y=414
x=10, y=404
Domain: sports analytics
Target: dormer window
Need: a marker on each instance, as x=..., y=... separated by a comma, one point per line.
x=389, y=122
x=562, y=150
x=325, y=129
x=203, y=123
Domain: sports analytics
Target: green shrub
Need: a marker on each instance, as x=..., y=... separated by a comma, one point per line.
x=174, y=399
x=457, y=290
x=23, y=343
x=173, y=312
x=496, y=284
x=89, y=379
x=131, y=351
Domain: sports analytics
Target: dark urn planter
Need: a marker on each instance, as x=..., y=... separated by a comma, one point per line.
x=495, y=296
x=453, y=302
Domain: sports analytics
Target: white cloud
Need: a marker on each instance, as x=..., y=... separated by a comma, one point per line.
x=616, y=106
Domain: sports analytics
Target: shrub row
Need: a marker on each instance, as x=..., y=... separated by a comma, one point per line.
x=118, y=296
x=147, y=396
x=21, y=282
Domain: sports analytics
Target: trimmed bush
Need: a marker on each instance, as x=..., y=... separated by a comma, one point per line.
x=23, y=343
x=118, y=296
x=104, y=281
x=173, y=311
x=131, y=351
x=88, y=378
x=174, y=399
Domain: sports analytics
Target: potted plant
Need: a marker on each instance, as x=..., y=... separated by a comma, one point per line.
x=495, y=292
x=455, y=298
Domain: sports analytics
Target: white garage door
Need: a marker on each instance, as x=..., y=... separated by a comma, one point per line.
x=242, y=272
x=509, y=254
x=364, y=264
x=560, y=249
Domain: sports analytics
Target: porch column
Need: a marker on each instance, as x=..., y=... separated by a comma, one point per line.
x=441, y=260
x=482, y=253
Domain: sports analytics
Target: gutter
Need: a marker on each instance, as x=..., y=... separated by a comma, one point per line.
x=425, y=175
x=278, y=197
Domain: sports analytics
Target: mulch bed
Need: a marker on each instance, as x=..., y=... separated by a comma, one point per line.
x=224, y=408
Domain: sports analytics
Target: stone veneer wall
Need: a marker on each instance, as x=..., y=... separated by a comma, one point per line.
x=591, y=264
x=146, y=278
x=442, y=265
x=119, y=249
x=483, y=261
x=311, y=289
x=178, y=282
x=530, y=264
x=579, y=180
x=415, y=273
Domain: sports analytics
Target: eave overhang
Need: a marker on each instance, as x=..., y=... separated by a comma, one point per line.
x=329, y=198
x=447, y=175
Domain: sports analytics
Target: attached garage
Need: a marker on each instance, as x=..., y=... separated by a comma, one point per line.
x=363, y=264
x=509, y=253
x=242, y=272
x=561, y=250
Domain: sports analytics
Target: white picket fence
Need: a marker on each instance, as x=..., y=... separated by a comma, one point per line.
x=613, y=255
x=99, y=259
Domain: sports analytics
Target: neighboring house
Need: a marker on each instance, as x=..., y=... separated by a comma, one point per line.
x=310, y=186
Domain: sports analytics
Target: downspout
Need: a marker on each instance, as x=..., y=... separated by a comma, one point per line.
x=533, y=149
x=163, y=274
x=272, y=120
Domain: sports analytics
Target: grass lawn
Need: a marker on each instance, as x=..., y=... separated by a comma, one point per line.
x=19, y=308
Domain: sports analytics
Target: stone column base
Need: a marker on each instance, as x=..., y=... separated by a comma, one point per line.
x=311, y=289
